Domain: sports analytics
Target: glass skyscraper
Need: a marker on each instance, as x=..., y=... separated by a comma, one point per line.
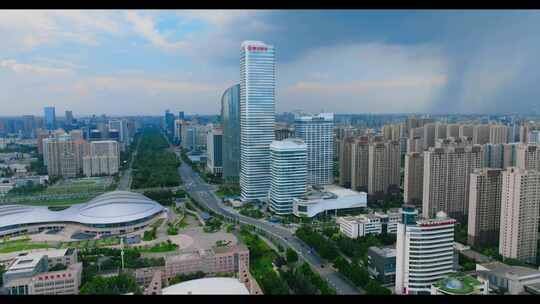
x=317, y=131
x=50, y=118
x=230, y=118
x=257, y=118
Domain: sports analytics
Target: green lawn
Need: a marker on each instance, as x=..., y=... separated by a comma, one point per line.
x=162, y=247
x=19, y=245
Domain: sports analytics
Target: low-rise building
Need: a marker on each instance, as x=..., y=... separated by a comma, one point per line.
x=33, y=273
x=364, y=224
x=329, y=198
x=382, y=264
x=509, y=279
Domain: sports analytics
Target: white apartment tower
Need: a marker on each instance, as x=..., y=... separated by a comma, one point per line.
x=257, y=117
x=288, y=173
x=103, y=159
x=424, y=251
x=317, y=132
x=520, y=201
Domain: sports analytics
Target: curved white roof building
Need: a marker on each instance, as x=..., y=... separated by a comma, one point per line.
x=114, y=210
x=208, y=286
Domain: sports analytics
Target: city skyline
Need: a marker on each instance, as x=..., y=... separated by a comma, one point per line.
x=141, y=62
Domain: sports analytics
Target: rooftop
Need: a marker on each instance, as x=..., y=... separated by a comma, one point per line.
x=208, y=286
x=458, y=284
x=507, y=270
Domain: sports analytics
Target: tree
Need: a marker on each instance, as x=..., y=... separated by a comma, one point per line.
x=292, y=256
x=120, y=284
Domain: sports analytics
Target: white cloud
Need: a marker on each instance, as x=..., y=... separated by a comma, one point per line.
x=217, y=17
x=146, y=27
x=23, y=68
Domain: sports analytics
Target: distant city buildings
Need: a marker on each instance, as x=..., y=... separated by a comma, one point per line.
x=384, y=167
x=50, y=118
x=414, y=178
x=257, y=117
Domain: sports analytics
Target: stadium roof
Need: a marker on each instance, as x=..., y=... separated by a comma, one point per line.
x=109, y=208
x=208, y=286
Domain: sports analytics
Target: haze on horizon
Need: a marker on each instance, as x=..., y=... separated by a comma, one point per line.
x=143, y=62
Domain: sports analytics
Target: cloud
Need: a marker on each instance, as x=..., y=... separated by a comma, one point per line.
x=23, y=68
x=146, y=27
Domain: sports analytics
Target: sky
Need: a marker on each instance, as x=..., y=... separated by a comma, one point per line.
x=133, y=62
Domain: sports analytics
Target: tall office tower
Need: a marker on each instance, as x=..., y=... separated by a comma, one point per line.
x=484, y=207
x=498, y=134
x=288, y=173
x=414, y=178
x=345, y=161
x=452, y=130
x=466, y=130
x=528, y=157
x=29, y=126
x=520, y=201
x=480, y=134
x=257, y=117
x=188, y=133
x=283, y=131
x=424, y=251
x=360, y=164
x=446, y=179
x=64, y=156
x=214, y=151
x=103, y=158
x=181, y=115
x=50, y=118
x=230, y=118
x=177, y=130
x=429, y=135
x=169, y=123
x=440, y=131
x=317, y=132
x=69, y=118
x=384, y=167
x=123, y=134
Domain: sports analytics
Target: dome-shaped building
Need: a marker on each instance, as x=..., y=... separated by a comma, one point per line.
x=116, y=212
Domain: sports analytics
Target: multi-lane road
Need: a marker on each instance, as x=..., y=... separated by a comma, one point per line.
x=204, y=194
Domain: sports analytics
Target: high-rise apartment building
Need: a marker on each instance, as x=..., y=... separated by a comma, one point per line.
x=452, y=130
x=257, y=118
x=50, y=118
x=317, y=133
x=484, y=207
x=103, y=158
x=440, y=131
x=528, y=156
x=64, y=156
x=214, y=151
x=384, y=167
x=429, y=135
x=178, y=130
x=360, y=164
x=466, y=130
x=424, y=251
x=520, y=207
x=480, y=134
x=69, y=118
x=498, y=134
x=288, y=173
x=230, y=118
x=446, y=179
x=414, y=178
x=345, y=161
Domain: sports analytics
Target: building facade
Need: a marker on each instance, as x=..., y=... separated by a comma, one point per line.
x=360, y=164
x=317, y=132
x=230, y=119
x=288, y=174
x=414, y=178
x=103, y=158
x=424, y=252
x=384, y=167
x=214, y=151
x=484, y=207
x=257, y=118
x=520, y=203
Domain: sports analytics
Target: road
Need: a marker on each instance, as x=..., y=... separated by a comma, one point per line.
x=125, y=179
x=202, y=192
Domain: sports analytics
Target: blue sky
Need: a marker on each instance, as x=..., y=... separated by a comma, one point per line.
x=356, y=61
